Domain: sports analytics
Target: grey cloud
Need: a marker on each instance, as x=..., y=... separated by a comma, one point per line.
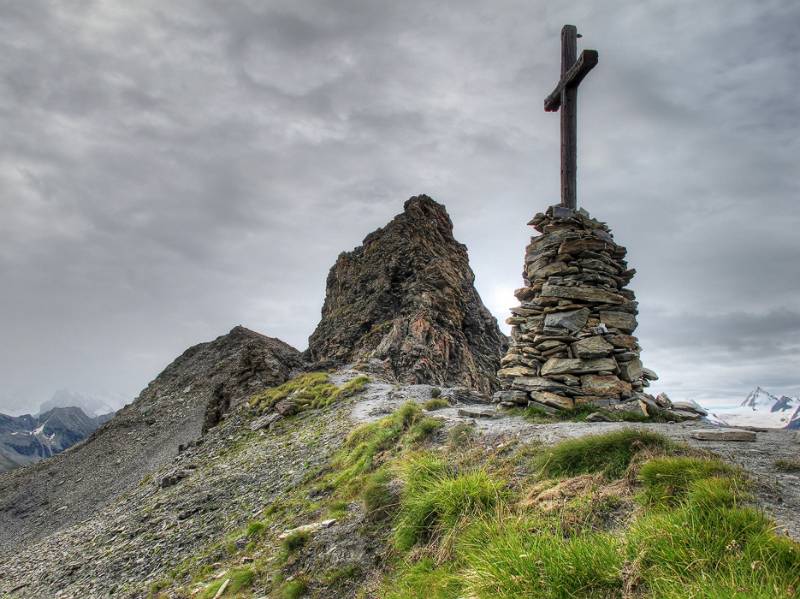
x=171, y=169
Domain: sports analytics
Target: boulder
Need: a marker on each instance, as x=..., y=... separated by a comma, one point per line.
x=537, y=383
x=622, y=321
x=631, y=370
x=723, y=434
x=582, y=293
x=572, y=321
x=553, y=399
x=577, y=366
x=592, y=347
x=604, y=385
x=519, y=398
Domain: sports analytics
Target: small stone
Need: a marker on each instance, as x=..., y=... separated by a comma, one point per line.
x=622, y=321
x=586, y=294
x=307, y=528
x=663, y=400
x=723, y=434
x=486, y=414
x=577, y=366
x=690, y=406
x=607, y=386
x=597, y=417
x=264, y=421
x=553, y=399
x=536, y=383
x=649, y=374
x=513, y=397
x=572, y=321
x=594, y=400
x=544, y=408
x=286, y=407
x=623, y=341
x=515, y=371
x=630, y=371
x=592, y=347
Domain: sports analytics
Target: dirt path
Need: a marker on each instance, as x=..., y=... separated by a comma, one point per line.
x=778, y=492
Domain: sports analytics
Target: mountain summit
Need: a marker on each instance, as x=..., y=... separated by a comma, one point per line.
x=406, y=298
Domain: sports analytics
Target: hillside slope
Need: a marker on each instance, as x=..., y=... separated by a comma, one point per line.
x=229, y=509
x=189, y=395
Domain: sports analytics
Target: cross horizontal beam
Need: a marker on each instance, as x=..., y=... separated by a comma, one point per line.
x=576, y=73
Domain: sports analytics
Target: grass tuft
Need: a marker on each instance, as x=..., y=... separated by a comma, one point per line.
x=788, y=465
x=436, y=404
x=294, y=589
x=436, y=499
x=667, y=480
x=509, y=557
x=308, y=391
x=609, y=453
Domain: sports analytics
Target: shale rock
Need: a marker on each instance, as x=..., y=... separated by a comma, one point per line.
x=407, y=297
x=571, y=335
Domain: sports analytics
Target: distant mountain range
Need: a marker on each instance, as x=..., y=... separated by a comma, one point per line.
x=763, y=409
x=26, y=439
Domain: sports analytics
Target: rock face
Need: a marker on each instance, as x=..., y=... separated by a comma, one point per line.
x=188, y=397
x=27, y=439
x=571, y=336
x=406, y=297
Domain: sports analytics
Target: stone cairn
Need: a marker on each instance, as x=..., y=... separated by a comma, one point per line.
x=572, y=340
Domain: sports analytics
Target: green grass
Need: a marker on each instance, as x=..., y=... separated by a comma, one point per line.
x=538, y=415
x=255, y=529
x=424, y=578
x=341, y=575
x=308, y=391
x=788, y=465
x=509, y=557
x=363, y=446
x=295, y=541
x=461, y=434
x=436, y=499
x=668, y=480
x=240, y=579
x=436, y=404
x=294, y=589
x=706, y=550
x=377, y=495
x=609, y=453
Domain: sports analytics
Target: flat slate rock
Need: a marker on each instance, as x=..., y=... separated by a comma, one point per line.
x=723, y=434
x=478, y=414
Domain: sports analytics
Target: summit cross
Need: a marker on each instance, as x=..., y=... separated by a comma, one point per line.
x=565, y=96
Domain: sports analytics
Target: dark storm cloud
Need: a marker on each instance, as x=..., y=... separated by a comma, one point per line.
x=171, y=169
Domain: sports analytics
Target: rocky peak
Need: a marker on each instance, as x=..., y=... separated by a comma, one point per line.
x=406, y=297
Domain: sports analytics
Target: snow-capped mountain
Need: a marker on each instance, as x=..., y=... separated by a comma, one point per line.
x=763, y=409
x=26, y=439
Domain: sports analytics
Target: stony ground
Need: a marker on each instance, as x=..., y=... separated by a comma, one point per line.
x=201, y=501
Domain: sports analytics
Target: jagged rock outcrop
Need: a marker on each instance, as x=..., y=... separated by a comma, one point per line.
x=406, y=297
x=188, y=397
x=572, y=335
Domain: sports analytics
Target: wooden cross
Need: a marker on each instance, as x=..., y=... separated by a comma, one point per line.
x=565, y=96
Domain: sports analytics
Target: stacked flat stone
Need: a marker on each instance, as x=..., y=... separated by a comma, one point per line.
x=572, y=334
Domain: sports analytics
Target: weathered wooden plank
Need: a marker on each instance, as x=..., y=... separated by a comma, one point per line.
x=587, y=61
x=569, y=119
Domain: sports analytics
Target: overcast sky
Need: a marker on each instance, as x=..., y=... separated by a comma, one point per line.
x=169, y=169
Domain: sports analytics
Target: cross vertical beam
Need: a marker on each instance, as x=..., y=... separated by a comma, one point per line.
x=569, y=120
x=565, y=97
